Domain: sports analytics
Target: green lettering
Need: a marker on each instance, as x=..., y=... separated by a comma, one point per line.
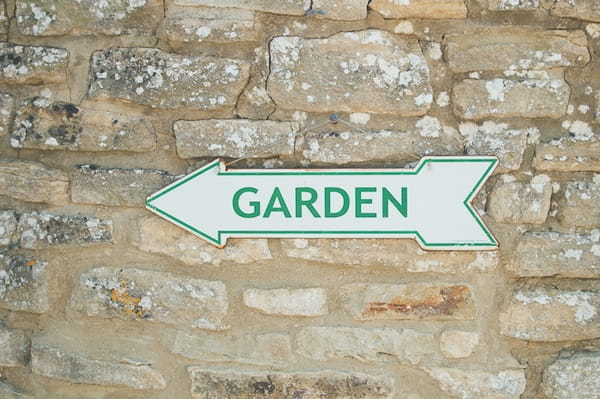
x=387, y=197
x=255, y=205
x=308, y=203
x=276, y=197
x=360, y=201
x=345, y=202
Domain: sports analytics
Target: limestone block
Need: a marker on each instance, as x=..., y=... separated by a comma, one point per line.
x=14, y=348
x=366, y=344
x=157, y=79
x=32, y=64
x=578, y=207
x=135, y=294
x=573, y=377
x=588, y=10
x=33, y=182
x=419, y=301
x=285, y=7
x=3, y=19
x=511, y=5
x=521, y=202
x=474, y=384
x=53, y=125
x=287, y=302
x=568, y=154
x=456, y=344
x=349, y=10
x=7, y=110
x=24, y=284
x=8, y=226
x=231, y=384
x=10, y=392
x=545, y=314
x=364, y=71
x=432, y=9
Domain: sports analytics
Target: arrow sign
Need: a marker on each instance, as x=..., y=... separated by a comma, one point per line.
x=431, y=203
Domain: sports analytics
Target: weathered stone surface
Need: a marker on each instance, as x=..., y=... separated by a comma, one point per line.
x=115, y=187
x=33, y=182
x=32, y=65
x=545, y=314
x=418, y=301
x=547, y=254
x=14, y=348
x=568, y=154
x=475, y=384
x=578, y=207
x=521, y=202
x=402, y=254
x=79, y=369
x=573, y=377
x=9, y=392
x=363, y=71
x=24, y=284
x=218, y=25
x=44, y=230
x=497, y=139
x=348, y=10
x=261, y=349
x=434, y=9
x=157, y=79
x=230, y=384
x=289, y=7
x=428, y=137
x=588, y=10
x=366, y=344
x=288, y=302
x=111, y=17
x=509, y=5
x=7, y=109
x=3, y=21
x=234, y=138
x=134, y=294
x=529, y=98
x=8, y=226
x=456, y=344
x=53, y=125
x=158, y=236
x=513, y=49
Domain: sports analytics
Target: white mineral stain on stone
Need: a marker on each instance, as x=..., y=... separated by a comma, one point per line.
x=496, y=89
x=360, y=118
x=429, y=126
x=443, y=99
x=573, y=253
x=404, y=27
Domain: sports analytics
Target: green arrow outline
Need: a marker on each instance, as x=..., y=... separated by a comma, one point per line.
x=493, y=161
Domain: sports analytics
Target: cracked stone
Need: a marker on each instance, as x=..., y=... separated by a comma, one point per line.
x=33, y=182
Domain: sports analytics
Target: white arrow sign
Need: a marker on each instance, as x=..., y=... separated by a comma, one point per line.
x=431, y=203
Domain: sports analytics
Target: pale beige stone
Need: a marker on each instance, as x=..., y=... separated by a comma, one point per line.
x=588, y=10
x=14, y=348
x=158, y=236
x=8, y=391
x=520, y=202
x=289, y=7
x=511, y=5
x=573, y=377
x=456, y=344
x=476, y=384
x=348, y=10
x=24, y=284
x=32, y=64
x=33, y=182
x=8, y=226
x=388, y=76
x=433, y=9
x=7, y=111
x=578, y=207
x=307, y=302
x=568, y=155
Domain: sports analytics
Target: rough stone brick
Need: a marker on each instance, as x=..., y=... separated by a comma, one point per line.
x=76, y=368
x=419, y=301
x=8, y=226
x=588, y=10
x=433, y=9
x=546, y=314
x=529, y=98
x=513, y=49
x=157, y=79
x=234, y=138
x=402, y=254
x=134, y=294
x=268, y=349
x=158, y=236
x=111, y=17
x=8, y=391
x=428, y=137
x=115, y=187
x=475, y=384
x=521, y=202
x=7, y=109
x=578, y=207
x=366, y=344
x=456, y=344
x=44, y=230
x=53, y=125
x=14, y=350
x=568, y=154
x=288, y=302
x=285, y=7
x=210, y=384
x=31, y=64
x=573, y=377
x=497, y=139
x=3, y=20
x=549, y=254
x=24, y=284
x=348, y=10
x=388, y=76
x=510, y=5
x=33, y=182
x=217, y=25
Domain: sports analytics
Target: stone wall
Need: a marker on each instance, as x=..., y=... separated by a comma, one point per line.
x=104, y=102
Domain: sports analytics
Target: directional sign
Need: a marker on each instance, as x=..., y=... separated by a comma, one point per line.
x=431, y=203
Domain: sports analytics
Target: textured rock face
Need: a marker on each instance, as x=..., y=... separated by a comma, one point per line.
x=134, y=294
x=434, y=9
x=33, y=182
x=31, y=64
x=342, y=9
x=162, y=80
x=288, y=302
x=408, y=301
x=24, y=284
x=458, y=344
x=568, y=155
x=8, y=226
x=582, y=9
x=509, y=5
x=365, y=71
x=231, y=384
x=14, y=348
x=543, y=314
x=579, y=204
x=573, y=377
x=10, y=392
x=289, y=7
x=7, y=109
x=53, y=125
x=57, y=363
x=473, y=384
x=111, y=17
x=519, y=202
